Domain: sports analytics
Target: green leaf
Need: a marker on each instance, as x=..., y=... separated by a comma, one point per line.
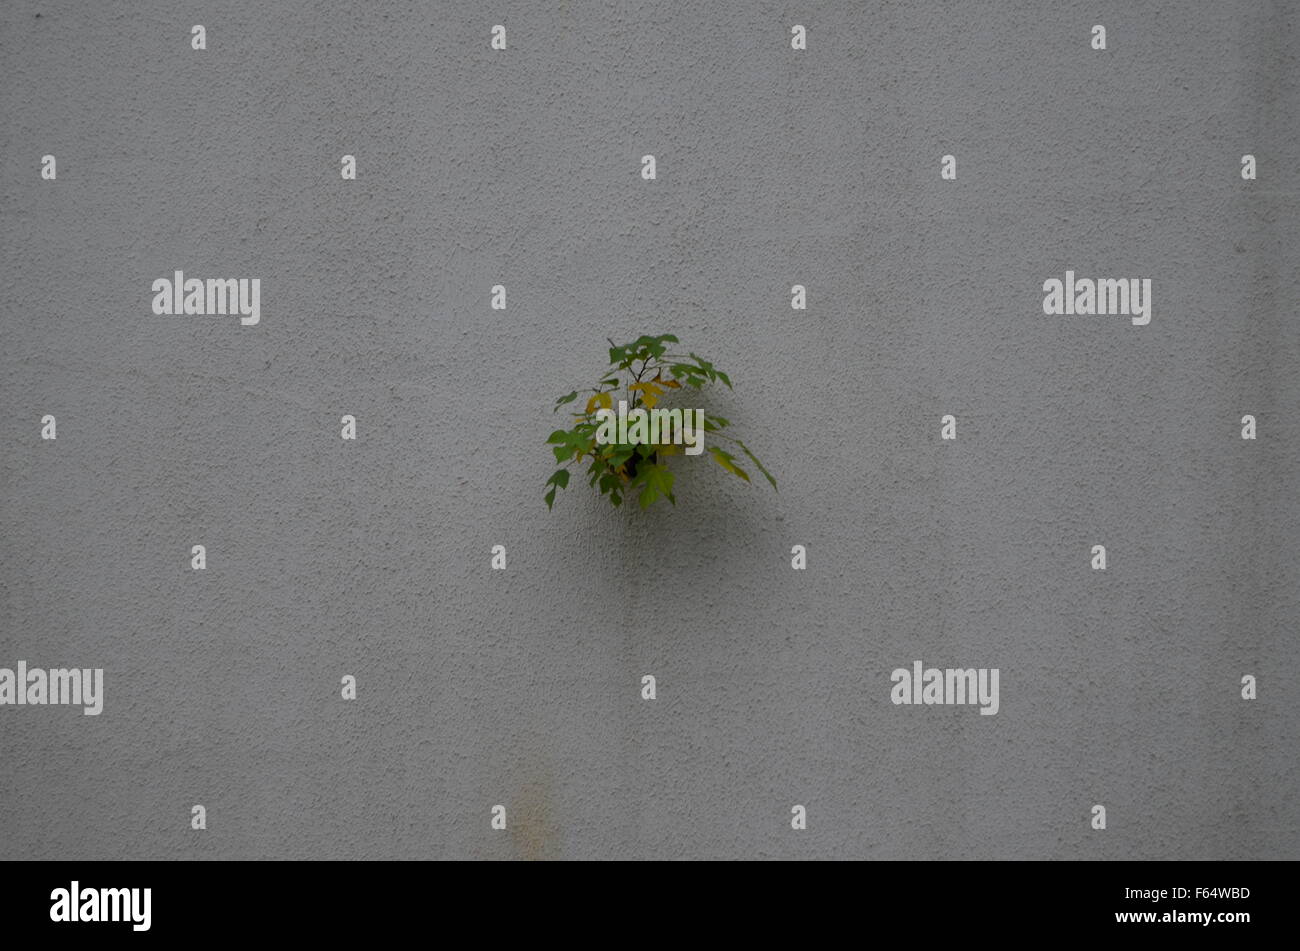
x=728, y=462
x=706, y=366
x=753, y=458
x=688, y=372
x=565, y=399
x=657, y=481
x=559, y=478
x=665, y=479
x=550, y=498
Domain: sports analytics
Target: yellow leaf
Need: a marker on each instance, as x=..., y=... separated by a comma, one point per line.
x=668, y=449
x=601, y=400
x=650, y=392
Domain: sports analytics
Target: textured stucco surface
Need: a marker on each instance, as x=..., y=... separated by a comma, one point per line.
x=521, y=687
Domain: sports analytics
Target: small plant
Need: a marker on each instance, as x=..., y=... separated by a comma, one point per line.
x=620, y=462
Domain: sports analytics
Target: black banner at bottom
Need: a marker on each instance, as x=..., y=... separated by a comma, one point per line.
x=90, y=901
